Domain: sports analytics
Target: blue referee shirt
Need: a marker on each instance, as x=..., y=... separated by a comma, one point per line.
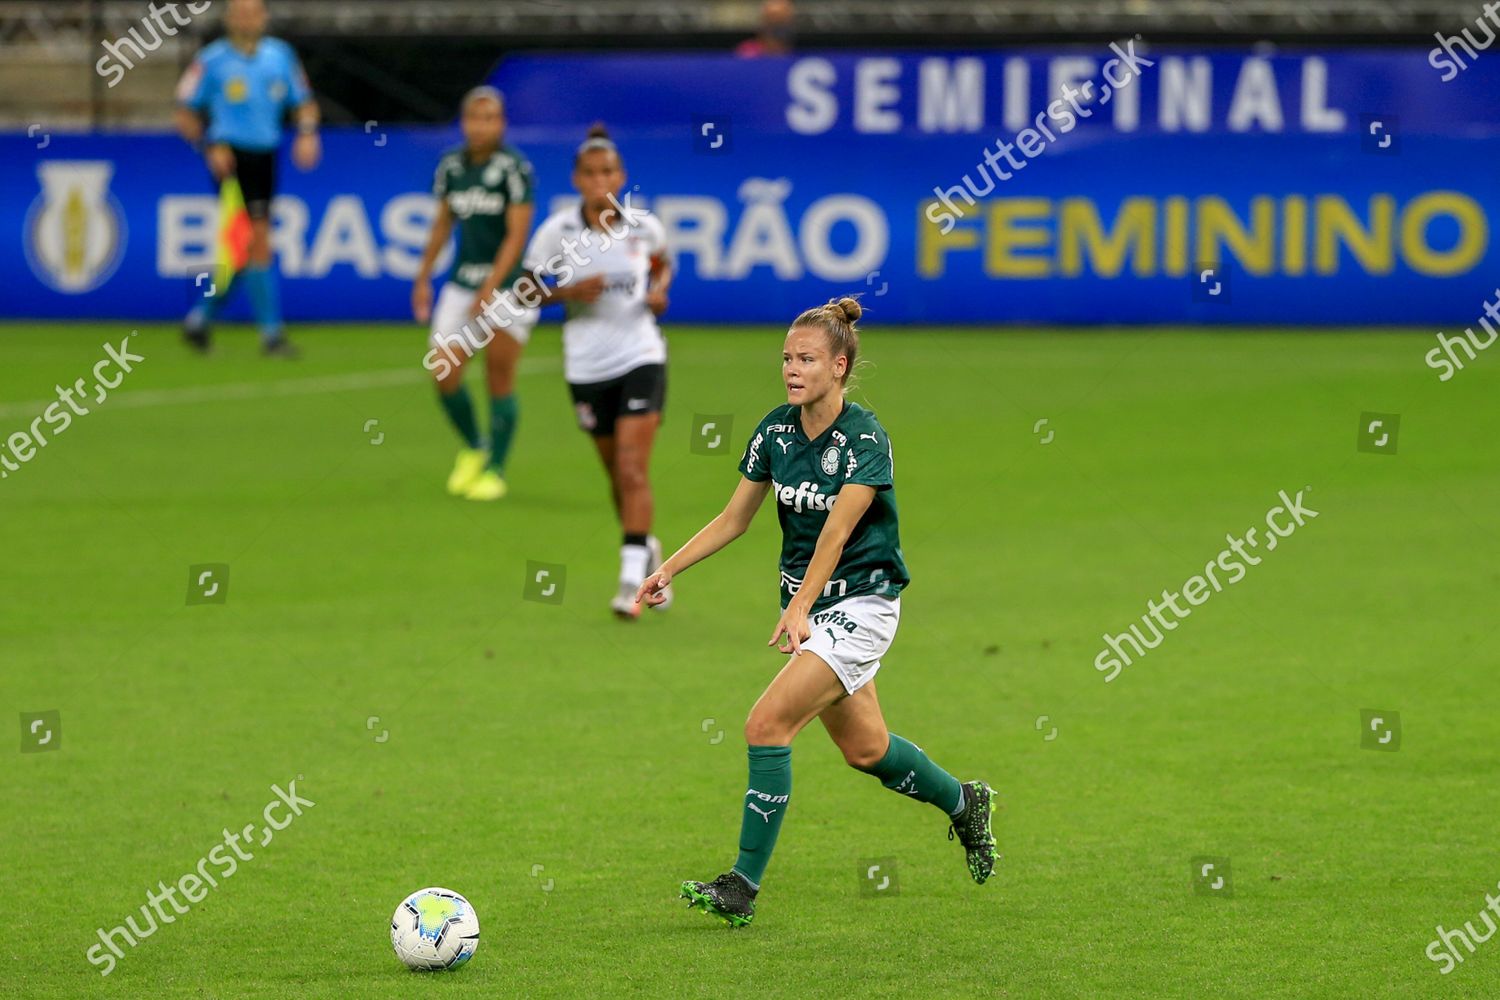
x=246, y=97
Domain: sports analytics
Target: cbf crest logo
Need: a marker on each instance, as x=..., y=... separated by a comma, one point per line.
x=75, y=229
x=830, y=461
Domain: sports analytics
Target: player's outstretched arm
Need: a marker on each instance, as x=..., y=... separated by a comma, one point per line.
x=713, y=536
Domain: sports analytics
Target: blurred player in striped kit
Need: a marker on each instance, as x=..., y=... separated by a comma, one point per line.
x=231, y=102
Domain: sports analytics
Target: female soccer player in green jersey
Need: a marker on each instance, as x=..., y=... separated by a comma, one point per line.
x=828, y=463
x=485, y=187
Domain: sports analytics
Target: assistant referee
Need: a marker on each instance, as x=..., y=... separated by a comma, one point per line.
x=234, y=99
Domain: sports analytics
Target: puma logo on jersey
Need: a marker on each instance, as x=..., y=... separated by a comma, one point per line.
x=802, y=497
x=785, y=444
x=872, y=437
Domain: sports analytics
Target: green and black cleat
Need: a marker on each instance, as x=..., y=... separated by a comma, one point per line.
x=973, y=829
x=728, y=897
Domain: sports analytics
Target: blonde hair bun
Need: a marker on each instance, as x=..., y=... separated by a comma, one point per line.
x=847, y=307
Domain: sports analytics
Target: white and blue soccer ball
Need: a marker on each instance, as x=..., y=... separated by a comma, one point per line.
x=434, y=929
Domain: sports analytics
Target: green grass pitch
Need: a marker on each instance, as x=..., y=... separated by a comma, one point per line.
x=566, y=771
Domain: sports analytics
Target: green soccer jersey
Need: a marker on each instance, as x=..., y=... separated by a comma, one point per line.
x=478, y=195
x=806, y=477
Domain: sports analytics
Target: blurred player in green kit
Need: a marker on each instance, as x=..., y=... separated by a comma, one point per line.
x=485, y=187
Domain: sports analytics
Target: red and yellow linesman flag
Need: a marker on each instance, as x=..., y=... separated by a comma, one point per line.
x=232, y=248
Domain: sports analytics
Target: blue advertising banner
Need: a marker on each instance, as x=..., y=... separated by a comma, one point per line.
x=1112, y=186
x=123, y=225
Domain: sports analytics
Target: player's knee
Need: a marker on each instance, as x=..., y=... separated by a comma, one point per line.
x=862, y=756
x=765, y=731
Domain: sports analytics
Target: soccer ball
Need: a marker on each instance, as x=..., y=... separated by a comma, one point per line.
x=434, y=929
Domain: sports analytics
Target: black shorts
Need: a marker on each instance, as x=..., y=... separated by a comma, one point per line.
x=257, y=176
x=599, y=404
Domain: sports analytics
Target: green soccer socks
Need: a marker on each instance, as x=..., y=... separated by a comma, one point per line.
x=460, y=410
x=905, y=768
x=765, y=807
x=503, y=415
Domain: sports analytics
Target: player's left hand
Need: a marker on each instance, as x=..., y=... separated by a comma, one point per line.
x=792, y=624
x=307, y=150
x=656, y=300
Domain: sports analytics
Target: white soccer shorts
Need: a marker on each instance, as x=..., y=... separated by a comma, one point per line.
x=852, y=636
x=452, y=313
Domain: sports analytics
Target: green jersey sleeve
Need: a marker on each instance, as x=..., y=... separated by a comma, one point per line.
x=869, y=461
x=755, y=464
